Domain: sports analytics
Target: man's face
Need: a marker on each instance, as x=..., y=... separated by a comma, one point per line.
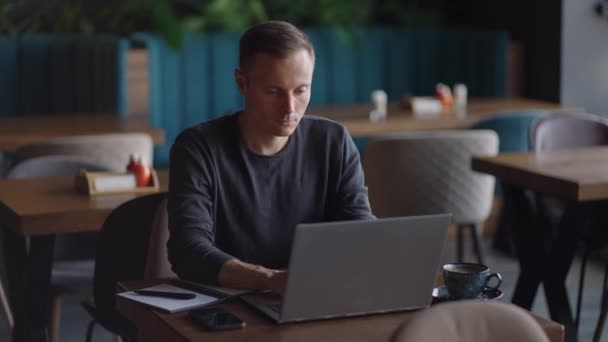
x=276, y=91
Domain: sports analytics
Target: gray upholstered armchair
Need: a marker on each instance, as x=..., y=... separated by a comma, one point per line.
x=429, y=173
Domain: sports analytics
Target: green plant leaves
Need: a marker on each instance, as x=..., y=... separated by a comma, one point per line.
x=173, y=18
x=231, y=15
x=169, y=26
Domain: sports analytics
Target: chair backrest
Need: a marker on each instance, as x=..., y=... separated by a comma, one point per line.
x=111, y=150
x=430, y=172
x=471, y=321
x=157, y=262
x=121, y=254
x=512, y=128
x=54, y=165
x=561, y=131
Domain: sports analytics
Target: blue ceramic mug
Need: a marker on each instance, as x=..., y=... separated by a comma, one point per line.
x=467, y=281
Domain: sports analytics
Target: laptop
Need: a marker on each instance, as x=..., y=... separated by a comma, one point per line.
x=351, y=268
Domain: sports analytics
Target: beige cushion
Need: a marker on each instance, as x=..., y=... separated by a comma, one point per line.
x=471, y=321
x=157, y=262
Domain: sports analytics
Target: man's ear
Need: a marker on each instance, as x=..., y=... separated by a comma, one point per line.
x=241, y=81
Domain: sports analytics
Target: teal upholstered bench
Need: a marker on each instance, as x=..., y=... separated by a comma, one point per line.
x=52, y=73
x=196, y=84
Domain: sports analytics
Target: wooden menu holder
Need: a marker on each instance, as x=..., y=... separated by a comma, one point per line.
x=85, y=183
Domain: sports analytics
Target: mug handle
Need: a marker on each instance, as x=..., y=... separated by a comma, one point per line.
x=490, y=276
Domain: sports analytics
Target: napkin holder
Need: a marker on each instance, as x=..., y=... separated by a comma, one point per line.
x=426, y=106
x=113, y=183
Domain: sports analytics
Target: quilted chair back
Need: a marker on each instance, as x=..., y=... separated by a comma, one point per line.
x=429, y=173
x=110, y=150
x=563, y=131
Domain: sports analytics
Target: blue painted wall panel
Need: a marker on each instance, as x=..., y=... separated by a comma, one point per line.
x=321, y=79
x=343, y=70
x=399, y=72
x=371, y=62
x=85, y=70
x=173, y=91
x=101, y=79
x=8, y=81
x=197, y=86
x=224, y=58
x=452, y=64
x=119, y=71
x=427, y=62
x=62, y=76
x=33, y=68
x=63, y=73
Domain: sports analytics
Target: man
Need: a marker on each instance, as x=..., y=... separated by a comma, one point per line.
x=241, y=183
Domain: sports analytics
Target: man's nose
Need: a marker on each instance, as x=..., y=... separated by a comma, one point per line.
x=289, y=103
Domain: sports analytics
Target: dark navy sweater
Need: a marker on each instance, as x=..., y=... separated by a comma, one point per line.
x=225, y=201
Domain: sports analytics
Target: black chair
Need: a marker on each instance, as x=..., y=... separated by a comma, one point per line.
x=121, y=255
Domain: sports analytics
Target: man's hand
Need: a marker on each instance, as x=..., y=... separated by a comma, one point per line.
x=277, y=281
x=241, y=275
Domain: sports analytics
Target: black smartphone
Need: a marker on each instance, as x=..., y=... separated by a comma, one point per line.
x=216, y=319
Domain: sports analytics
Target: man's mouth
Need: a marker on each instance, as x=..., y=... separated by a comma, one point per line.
x=288, y=120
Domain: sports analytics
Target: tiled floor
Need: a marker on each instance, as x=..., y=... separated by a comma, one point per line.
x=75, y=319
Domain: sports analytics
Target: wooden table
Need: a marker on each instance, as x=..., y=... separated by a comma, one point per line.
x=35, y=211
x=19, y=131
x=579, y=178
x=157, y=326
x=579, y=175
x=356, y=117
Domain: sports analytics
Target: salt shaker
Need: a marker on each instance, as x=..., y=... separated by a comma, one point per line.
x=460, y=95
x=379, y=101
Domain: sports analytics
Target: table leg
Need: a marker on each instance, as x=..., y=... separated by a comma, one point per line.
x=558, y=265
x=29, y=284
x=15, y=250
x=526, y=234
x=544, y=254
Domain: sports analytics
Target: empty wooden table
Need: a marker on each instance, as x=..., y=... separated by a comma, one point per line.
x=22, y=130
x=32, y=213
x=157, y=326
x=579, y=178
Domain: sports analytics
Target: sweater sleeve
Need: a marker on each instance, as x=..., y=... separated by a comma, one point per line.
x=352, y=202
x=191, y=249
